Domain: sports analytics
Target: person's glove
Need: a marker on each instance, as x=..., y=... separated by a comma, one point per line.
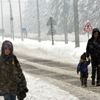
x=22, y=94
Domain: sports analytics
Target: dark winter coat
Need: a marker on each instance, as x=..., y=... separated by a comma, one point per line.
x=93, y=49
x=83, y=67
x=7, y=75
x=11, y=76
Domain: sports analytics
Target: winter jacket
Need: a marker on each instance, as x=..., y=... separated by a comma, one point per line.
x=11, y=77
x=93, y=50
x=93, y=47
x=83, y=67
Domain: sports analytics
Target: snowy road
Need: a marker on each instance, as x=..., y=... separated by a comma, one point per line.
x=50, y=77
x=60, y=75
x=51, y=80
x=42, y=90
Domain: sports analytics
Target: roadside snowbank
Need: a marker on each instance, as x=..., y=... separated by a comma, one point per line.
x=60, y=51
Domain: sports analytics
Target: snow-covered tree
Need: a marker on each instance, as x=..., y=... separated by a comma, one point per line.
x=30, y=16
x=63, y=13
x=60, y=11
x=76, y=22
x=88, y=10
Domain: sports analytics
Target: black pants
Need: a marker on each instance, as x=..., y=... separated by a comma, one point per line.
x=9, y=96
x=83, y=78
x=96, y=72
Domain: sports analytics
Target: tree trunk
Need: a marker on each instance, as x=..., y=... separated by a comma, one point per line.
x=65, y=24
x=76, y=23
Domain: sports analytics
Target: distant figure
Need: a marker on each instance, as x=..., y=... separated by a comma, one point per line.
x=83, y=69
x=93, y=50
x=12, y=80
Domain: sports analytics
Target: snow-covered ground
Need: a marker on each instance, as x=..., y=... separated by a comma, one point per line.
x=60, y=51
x=39, y=89
x=42, y=90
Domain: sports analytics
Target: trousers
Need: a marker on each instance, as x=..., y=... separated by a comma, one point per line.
x=9, y=96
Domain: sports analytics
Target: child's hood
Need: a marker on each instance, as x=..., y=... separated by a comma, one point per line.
x=6, y=44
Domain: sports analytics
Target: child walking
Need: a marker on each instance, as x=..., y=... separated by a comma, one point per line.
x=12, y=79
x=83, y=69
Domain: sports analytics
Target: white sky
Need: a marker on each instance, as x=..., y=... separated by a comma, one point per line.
x=47, y=0
x=15, y=12
x=15, y=6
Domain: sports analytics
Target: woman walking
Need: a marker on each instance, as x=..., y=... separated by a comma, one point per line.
x=93, y=50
